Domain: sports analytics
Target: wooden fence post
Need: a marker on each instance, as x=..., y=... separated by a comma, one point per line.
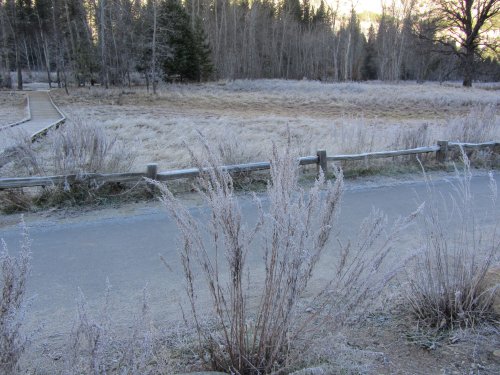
x=152, y=171
x=322, y=161
x=442, y=154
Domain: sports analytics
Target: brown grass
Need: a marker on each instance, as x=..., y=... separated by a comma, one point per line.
x=341, y=118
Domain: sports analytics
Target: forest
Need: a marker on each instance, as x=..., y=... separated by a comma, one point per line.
x=129, y=42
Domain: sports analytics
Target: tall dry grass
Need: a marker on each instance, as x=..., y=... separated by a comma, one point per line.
x=258, y=315
x=319, y=115
x=14, y=272
x=78, y=147
x=447, y=286
x=95, y=346
x=12, y=107
x=480, y=124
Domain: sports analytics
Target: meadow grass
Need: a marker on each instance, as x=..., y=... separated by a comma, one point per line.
x=340, y=117
x=12, y=107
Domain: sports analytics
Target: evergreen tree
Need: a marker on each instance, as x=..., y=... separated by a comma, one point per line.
x=369, y=69
x=321, y=15
x=203, y=51
x=293, y=9
x=189, y=53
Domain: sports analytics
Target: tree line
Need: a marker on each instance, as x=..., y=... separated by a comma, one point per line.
x=117, y=42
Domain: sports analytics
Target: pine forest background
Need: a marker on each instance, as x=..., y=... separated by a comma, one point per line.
x=127, y=42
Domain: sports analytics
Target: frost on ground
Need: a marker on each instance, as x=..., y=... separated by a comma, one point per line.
x=12, y=107
x=246, y=116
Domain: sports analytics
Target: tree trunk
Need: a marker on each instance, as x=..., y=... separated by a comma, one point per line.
x=16, y=40
x=27, y=54
x=18, y=67
x=7, y=81
x=47, y=59
x=153, y=58
x=468, y=62
x=104, y=67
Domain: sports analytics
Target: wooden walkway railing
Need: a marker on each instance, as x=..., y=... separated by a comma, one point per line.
x=25, y=119
x=321, y=159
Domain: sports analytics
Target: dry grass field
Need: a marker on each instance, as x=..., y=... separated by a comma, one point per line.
x=12, y=107
x=245, y=117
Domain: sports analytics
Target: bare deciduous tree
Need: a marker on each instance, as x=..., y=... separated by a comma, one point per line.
x=466, y=23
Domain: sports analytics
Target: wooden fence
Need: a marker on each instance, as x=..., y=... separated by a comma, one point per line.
x=321, y=159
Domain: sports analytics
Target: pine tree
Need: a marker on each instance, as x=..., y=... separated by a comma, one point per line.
x=189, y=54
x=293, y=8
x=321, y=15
x=203, y=51
x=369, y=69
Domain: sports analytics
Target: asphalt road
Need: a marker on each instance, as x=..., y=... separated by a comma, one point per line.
x=125, y=247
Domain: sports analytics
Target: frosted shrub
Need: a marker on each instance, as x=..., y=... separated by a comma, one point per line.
x=13, y=278
x=447, y=286
x=84, y=147
x=413, y=138
x=258, y=316
x=95, y=347
x=78, y=147
x=477, y=126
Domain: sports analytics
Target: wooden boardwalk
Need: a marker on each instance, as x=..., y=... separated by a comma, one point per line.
x=43, y=114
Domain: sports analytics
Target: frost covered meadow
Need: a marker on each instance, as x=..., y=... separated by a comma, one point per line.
x=12, y=107
x=247, y=116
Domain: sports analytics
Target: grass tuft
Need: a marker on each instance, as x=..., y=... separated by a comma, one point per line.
x=478, y=125
x=13, y=304
x=447, y=287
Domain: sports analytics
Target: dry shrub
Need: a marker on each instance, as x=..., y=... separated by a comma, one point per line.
x=78, y=147
x=13, y=304
x=412, y=138
x=95, y=347
x=14, y=200
x=230, y=148
x=478, y=125
x=355, y=139
x=83, y=147
x=447, y=286
x=25, y=157
x=259, y=324
x=90, y=340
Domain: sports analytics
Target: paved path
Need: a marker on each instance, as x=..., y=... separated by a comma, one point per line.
x=81, y=253
x=43, y=114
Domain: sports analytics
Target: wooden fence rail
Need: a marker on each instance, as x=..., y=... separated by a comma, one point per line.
x=442, y=150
